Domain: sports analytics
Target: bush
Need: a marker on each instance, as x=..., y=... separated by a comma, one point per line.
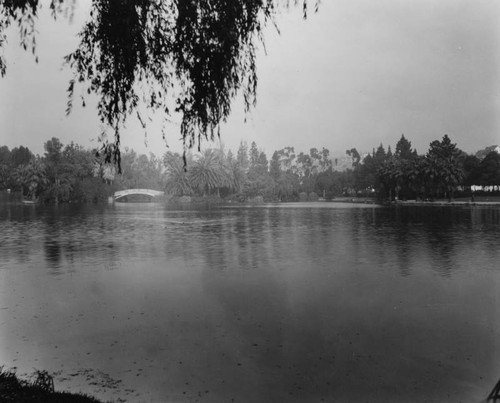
x=313, y=196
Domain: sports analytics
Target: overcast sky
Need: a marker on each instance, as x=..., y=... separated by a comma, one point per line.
x=356, y=74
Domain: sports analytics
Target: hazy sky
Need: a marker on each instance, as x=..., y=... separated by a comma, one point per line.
x=356, y=74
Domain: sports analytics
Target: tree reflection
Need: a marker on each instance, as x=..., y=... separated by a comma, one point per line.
x=51, y=244
x=446, y=229
x=53, y=253
x=485, y=216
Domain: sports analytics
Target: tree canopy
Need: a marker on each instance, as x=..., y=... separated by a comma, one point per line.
x=191, y=57
x=403, y=149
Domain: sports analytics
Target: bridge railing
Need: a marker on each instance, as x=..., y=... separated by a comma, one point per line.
x=149, y=192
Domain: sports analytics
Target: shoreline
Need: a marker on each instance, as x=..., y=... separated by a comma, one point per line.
x=445, y=203
x=420, y=203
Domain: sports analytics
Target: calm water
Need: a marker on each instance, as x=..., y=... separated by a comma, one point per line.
x=289, y=303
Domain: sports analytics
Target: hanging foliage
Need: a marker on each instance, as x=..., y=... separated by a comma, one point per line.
x=190, y=57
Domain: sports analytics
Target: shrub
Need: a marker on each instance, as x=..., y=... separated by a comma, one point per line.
x=313, y=196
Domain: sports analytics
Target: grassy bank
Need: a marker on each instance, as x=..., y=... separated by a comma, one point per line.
x=39, y=389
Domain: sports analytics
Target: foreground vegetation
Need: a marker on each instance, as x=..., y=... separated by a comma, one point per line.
x=40, y=389
x=72, y=173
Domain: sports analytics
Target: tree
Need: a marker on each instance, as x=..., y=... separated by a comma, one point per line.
x=333, y=183
x=325, y=161
x=444, y=170
x=20, y=156
x=4, y=167
x=4, y=155
x=489, y=169
x=354, y=154
x=78, y=161
x=281, y=172
x=31, y=178
x=259, y=183
x=262, y=163
x=392, y=176
x=242, y=157
x=286, y=187
x=286, y=158
x=148, y=172
x=58, y=175
x=192, y=56
x=78, y=166
x=471, y=166
x=208, y=172
x=237, y=175
x=177, y=182
x=406, y=156
x=304, y=166
x=156, y=172
x=366, y=173
x=389, y=152
x=403, y=149
x=253, y=156
x=317, y=163
x=274, y=166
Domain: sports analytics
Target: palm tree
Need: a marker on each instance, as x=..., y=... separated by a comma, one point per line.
x=208, y=172
x=31, y=177
x=392, y=175
x=177, y=182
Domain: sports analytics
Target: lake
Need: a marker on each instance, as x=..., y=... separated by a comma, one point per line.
x=299, y=302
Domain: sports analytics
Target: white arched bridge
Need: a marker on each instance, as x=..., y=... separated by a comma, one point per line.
x=146, y=192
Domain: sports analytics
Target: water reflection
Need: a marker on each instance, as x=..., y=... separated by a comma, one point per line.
x=487, y=217
x=52, y=255
x=299, y=303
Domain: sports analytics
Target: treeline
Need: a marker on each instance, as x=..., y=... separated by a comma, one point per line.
x=249, y=175
x=440, y=173
x=385, y=175
x=72, y=173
